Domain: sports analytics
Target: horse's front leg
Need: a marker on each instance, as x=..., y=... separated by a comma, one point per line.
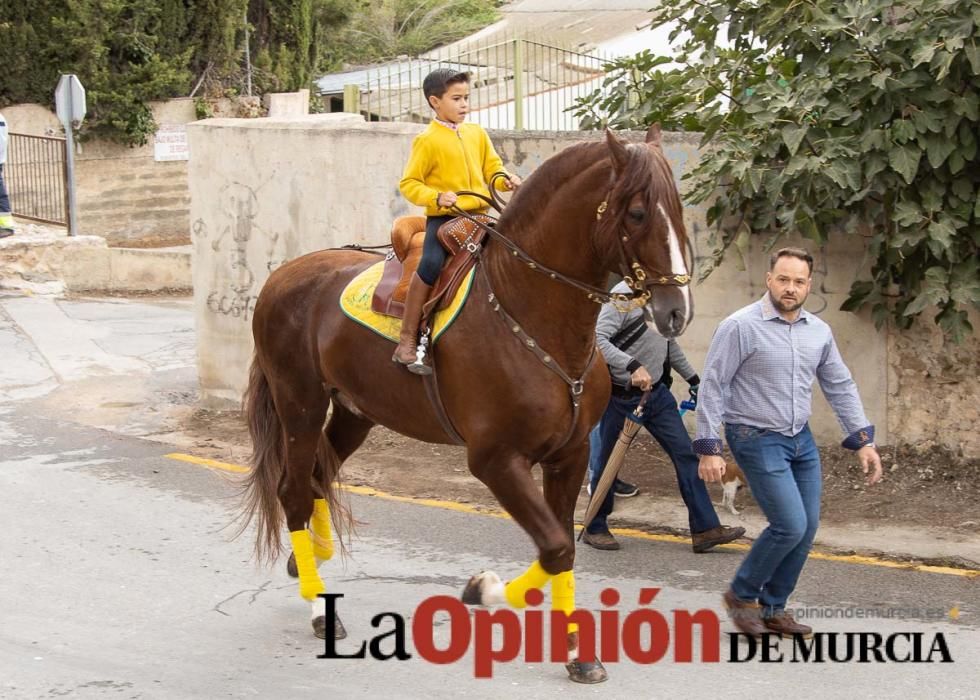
x=508, y=476
x=562, y=483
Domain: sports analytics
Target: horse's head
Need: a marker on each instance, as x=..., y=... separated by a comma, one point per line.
x=641, y=233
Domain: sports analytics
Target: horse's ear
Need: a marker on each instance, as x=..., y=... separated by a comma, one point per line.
x=653, y=134
x=618, y=150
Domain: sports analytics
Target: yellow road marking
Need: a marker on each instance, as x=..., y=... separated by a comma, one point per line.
x=624, y=531
x=209, y=463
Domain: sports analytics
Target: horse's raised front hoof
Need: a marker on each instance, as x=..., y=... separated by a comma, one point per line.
x=320, y=627
x=586, y=671
x=291, y=566
x=485, y=588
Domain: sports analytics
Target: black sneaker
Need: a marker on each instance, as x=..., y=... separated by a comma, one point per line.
x=4, y=232
x=624, y=489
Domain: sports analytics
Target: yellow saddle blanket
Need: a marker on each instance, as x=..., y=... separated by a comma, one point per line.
x=355, y=302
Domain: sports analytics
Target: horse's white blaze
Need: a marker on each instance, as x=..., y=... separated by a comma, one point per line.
x=677, y=264
x=319, y=608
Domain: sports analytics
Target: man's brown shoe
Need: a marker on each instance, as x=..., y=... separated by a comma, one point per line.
x=601, y=540
x=703, y=541
x=784, y=624
x=746, y=615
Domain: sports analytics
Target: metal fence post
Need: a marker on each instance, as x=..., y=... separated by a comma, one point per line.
x=352, y=99
x=518, y=84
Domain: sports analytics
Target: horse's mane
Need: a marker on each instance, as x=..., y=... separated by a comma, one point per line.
x=643, y=167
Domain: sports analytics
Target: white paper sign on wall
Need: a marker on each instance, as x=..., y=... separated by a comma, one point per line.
x=170, y=143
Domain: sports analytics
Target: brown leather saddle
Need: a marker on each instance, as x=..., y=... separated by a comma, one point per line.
x=460, y=237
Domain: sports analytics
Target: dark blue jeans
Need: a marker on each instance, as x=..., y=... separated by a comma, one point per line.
x=785, y=477
x=433, y=254
x=4, y=199
x=667, y=428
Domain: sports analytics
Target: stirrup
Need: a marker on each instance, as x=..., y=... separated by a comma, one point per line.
x=416, y=366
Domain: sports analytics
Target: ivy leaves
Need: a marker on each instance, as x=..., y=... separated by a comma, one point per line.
x=859, y=116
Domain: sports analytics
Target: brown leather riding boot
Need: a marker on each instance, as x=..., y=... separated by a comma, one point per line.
x=418, y=293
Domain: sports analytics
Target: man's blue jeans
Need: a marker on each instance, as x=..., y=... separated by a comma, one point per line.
x=664, y=423
x=4, y=198
x=785, y=477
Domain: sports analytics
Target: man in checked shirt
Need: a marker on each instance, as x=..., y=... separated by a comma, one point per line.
x=758, y=380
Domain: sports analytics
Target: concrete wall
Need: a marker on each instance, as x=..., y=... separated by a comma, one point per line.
x=280, y=105
x=265, y=191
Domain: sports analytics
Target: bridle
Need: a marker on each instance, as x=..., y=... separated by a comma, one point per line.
x=633, y=273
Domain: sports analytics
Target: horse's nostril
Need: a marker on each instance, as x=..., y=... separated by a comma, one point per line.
x=676, y=320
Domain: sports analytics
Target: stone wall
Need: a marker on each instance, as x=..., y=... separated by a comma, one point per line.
x=265, y=191
x=932, y=389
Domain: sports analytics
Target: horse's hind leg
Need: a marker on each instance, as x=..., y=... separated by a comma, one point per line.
x=344, y=433
x=302, y=418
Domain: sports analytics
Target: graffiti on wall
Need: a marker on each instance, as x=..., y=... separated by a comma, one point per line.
x=239, y=233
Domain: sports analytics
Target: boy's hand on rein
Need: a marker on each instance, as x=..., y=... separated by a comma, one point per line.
x=446, y=199
x=513, y=182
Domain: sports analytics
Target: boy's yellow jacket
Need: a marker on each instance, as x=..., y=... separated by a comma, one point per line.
x=444, y=160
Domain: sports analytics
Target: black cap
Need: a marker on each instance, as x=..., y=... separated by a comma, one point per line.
x=435, y=82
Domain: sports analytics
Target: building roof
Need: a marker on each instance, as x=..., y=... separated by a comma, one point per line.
x=565, y=44
x=579, y=25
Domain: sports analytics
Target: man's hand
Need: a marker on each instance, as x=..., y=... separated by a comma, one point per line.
x=512, y=182
x=641, y=378
x=870, y=459
x=711, y=468
x=446, y=199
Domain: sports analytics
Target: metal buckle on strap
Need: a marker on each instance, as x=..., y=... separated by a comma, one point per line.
x=577, y=387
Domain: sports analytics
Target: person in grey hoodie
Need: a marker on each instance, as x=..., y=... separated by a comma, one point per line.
x=639, y=360
x=6, y=220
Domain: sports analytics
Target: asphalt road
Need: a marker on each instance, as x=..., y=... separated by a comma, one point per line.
x=118, y=578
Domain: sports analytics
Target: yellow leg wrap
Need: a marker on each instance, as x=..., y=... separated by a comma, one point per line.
x=322, y=535
x=310, y=583
x=534, y=577
x=6, y=221
x=563, y=595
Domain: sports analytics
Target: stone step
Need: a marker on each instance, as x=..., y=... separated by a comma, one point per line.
x=45, y=260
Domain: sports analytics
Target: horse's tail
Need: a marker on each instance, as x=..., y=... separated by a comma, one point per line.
x=260, y=490
x=260, y=497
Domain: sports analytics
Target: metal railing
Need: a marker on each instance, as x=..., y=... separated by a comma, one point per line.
x=36, y=177
x=514, y=84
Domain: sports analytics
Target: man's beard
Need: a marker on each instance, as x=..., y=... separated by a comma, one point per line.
x=789, y=307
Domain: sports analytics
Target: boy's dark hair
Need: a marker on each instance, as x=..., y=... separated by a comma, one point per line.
x=800, y=253
x=438, y=81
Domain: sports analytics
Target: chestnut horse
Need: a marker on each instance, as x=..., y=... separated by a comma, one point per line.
x=519, y=375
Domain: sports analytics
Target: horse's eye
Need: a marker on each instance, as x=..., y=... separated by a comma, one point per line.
x=637, y=215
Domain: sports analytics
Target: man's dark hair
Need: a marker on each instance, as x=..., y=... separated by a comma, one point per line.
x=438, y=81
x=791, y=253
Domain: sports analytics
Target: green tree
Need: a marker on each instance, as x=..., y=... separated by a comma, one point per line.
x=289, y=37
x=130, y=52
x=125, y=52
x=384, y=29
x=859, y=116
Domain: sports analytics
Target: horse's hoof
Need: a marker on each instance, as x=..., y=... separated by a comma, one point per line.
x=291, y=566
x=586, y=671
x=320, y=627
x=485, y=588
